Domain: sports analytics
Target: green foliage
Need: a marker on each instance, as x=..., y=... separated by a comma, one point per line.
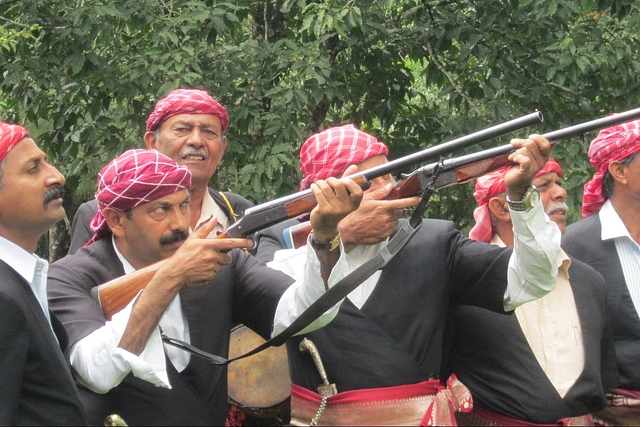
x=86, y=74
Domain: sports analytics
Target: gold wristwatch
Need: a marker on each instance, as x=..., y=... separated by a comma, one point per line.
x=331, y=245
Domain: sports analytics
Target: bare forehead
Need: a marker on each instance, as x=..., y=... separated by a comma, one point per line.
x=25, y=151
x=208, y=120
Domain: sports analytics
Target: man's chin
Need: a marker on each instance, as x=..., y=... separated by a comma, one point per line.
x=55, y=211
x=560, y=220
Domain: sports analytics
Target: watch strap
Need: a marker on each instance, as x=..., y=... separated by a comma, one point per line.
x=331, y=245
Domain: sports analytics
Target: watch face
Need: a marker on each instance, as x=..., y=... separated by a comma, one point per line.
x=532, y=198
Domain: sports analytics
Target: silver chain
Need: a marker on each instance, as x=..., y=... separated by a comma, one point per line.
x=323, y=404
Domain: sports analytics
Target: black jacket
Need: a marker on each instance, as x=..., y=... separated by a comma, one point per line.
x=36, y=386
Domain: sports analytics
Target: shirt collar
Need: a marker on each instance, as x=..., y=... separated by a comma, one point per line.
x=20, y=260
x=128, y=268
x=612, y=225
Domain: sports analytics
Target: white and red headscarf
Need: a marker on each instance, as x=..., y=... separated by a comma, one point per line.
x=329, y=153
x=489, y=186
x=136, y=177
x=611, y=144
x=186, y=101
x=10, y=135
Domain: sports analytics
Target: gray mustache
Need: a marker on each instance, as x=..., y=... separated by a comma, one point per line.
x=191, y=151
x=555, y=206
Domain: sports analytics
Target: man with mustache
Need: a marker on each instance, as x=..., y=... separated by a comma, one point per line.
x=204, y=287
x=189, y=126
x=36, y=385
x=552, y=360
x=383, y=350
x=608, y=238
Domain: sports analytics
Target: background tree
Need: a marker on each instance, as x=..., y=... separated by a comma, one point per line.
x=85, y=74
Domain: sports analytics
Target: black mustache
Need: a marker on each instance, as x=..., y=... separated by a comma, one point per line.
x=52, y=194
x=175, y=237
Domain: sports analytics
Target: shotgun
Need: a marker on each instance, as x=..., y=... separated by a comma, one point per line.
x=113, y=296
x=465, y=168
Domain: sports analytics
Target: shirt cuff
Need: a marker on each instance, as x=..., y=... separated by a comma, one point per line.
x=101, y=365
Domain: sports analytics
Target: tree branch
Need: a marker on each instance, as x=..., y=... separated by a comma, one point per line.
x=457, y=88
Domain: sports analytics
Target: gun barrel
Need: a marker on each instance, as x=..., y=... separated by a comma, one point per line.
x=269, y=213
x=491, y=159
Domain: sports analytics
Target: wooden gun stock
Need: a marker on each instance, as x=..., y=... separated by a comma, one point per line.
x=114, y=295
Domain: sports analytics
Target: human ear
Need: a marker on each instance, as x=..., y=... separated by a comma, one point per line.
x=618, y=172
x=115, y=220
x=498, y=208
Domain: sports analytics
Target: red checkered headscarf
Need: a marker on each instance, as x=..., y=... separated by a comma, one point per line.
x=10, y=135
x=134, y=178
x=489, y=186
x=330, y=152
x=186, y=101
x=611, y=144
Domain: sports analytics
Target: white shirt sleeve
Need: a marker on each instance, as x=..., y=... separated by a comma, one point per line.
x=302, y=264
x=101, y=365
x=533, y=267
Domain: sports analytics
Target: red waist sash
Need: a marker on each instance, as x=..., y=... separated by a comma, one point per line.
x=425, y=403
x=623, y=408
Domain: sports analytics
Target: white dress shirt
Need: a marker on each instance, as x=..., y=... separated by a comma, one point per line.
x=101, y=365
x=627, y=248
x=551, y=326
x=32, y=268
x=532, y=267
x=211, y=209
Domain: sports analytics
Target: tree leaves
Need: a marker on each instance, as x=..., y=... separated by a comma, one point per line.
x=85, y=76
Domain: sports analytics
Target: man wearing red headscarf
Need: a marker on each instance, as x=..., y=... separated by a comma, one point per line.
x=608, y=238
x=36, y=386
x=202, y=289
x=328, y=154
x=523, y=369
x=189, y=126
x=383, y=350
